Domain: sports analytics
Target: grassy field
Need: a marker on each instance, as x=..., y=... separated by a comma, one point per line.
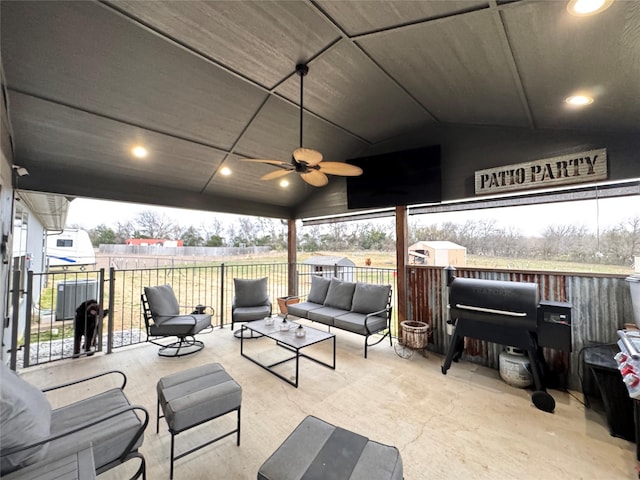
x=388, y=260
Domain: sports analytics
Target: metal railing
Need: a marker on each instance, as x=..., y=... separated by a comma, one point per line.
x=51, y=298
x=46, y=333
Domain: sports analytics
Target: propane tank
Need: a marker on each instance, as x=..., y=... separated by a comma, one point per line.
x=515, y=368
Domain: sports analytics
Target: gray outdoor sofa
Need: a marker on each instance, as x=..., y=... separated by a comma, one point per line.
x=362, y=308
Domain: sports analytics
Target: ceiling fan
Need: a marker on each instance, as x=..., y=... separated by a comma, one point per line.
x=306, y=161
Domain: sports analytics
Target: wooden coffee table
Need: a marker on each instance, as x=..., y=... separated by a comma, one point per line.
x=288, y=341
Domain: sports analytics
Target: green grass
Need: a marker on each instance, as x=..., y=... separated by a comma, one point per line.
x=499, y=263
x=388, y=260
x=43, y=335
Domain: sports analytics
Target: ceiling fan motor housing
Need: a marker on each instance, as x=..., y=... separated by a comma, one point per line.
x=302, y=69
x=306, y=161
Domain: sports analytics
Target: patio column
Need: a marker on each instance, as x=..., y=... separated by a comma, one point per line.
x=402, y=249
x=292, y=257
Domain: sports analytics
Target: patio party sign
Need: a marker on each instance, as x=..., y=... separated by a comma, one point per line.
x=582, y=167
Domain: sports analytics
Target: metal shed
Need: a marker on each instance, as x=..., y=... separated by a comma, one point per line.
x=331, y=266
x=438, y=253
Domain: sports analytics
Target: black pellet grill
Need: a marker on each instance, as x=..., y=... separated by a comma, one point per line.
x=508, y=313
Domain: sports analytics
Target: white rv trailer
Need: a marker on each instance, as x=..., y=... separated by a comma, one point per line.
x=70, y=248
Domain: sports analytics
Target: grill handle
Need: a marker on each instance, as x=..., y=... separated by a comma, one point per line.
x=490, y=310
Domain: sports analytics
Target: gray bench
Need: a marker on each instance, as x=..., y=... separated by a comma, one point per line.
x=318, y=450
x=362, y=308
x=195, y=396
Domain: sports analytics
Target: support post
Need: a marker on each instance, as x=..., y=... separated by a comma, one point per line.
x=402, y=249
x=292, y=257
x=15, y=303
x=27, y=327
x=110, y=316
x=222, y=275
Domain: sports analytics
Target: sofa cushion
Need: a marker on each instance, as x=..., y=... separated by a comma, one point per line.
x=181, y=325
x=109, y=438
x=248, y=314
x=317, y=449
x=25, y=418
x=319, y=289
x=162, y=301
x=369, y=298
x=340, y=294
x=193, y=396
x=325, y=315
x=354, y=322
x=250, y=292
x=302, y=309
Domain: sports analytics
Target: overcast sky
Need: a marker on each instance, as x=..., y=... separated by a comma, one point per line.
x=531, y=220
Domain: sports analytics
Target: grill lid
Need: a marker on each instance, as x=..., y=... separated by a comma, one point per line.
x=494, y=301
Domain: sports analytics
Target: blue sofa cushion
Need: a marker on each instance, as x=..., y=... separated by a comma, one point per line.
x=319, y=289
x=340, y=294
x=369, y=298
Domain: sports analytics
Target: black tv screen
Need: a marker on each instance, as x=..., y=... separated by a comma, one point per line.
x=409, y=177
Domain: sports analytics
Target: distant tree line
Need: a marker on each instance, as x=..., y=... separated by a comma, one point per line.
x=150, y=224
x=615, y=246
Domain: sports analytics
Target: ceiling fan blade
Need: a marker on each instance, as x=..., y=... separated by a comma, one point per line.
x=276, y=174
x=315, y=178
x=309, y=156
x=276, y=163
x=339, y=168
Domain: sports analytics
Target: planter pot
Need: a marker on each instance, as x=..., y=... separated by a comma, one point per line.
x=415, y=334
x=284, y=301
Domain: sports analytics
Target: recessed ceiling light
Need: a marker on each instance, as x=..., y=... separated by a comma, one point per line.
x=587, y=7
x=226, y=171
x=284, y=183
x=139, y=151
x=579, y=100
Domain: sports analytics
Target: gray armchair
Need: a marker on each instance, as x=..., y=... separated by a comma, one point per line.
x=162, y=318
x=250, y=301
x=33, y=435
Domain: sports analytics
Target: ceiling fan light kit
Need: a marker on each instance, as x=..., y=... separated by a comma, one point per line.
x=305, y=161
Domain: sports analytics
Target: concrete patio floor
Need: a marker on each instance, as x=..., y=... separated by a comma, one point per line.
x=467, y=424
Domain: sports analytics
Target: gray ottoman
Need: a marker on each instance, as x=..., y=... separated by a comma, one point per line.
x=317, y=450
x=195, y=396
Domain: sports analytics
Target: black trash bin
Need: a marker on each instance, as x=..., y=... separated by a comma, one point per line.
x=618, y=406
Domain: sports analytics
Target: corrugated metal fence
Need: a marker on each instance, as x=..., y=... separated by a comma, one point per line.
x=601, y=305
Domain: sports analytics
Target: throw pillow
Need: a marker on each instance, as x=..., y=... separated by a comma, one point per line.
x=339, y=294
x=25, y=418
x=162, y=301
x=251, y=292
x=319, y=288
x=369, y=298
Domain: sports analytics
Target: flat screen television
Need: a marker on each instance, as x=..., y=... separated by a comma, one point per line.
x=408, y=177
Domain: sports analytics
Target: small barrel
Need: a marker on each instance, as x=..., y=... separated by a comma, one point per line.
x=415, y=334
